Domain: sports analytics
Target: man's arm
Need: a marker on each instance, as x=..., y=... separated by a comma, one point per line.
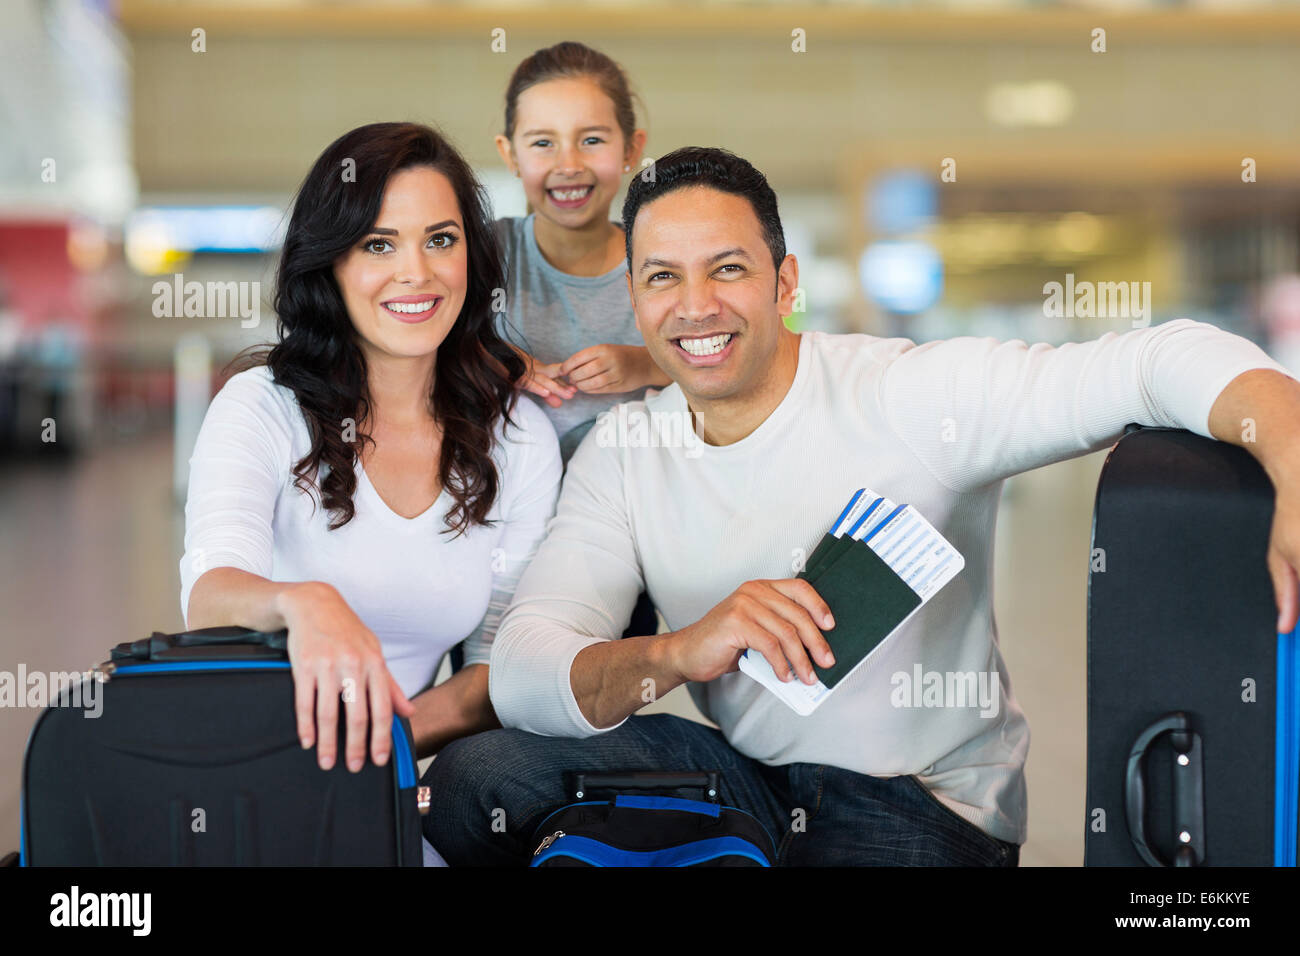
x=558, y=667
x=978, y=410
x=1260, y=412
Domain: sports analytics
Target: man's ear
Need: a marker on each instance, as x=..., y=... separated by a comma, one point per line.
x=635, y=317
x=787, y=282
x=507, y=152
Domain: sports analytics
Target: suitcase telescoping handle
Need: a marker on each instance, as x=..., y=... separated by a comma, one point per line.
x=1189, y=791
x=209, y=643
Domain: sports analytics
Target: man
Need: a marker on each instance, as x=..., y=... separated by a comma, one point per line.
x=788, y=427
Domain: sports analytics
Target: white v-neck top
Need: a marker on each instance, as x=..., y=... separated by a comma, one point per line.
x=420, y=591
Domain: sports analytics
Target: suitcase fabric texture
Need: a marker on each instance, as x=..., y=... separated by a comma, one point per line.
x=194, y=760
x=650, y=819
x=1192, y=735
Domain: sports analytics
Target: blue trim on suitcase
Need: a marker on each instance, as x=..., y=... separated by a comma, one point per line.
x=1286, y=759
x=402, y=754
x=689, y=854
x=177, y=667
x=668, y=803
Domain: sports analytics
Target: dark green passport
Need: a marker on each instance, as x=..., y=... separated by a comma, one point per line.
x=867, y=598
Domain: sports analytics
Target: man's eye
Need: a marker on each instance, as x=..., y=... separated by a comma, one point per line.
x=658, y=275
x=732, y=265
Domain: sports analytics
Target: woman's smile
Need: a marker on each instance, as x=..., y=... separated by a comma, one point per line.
x=412, y=309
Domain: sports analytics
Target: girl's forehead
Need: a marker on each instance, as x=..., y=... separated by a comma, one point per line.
x=568, y=98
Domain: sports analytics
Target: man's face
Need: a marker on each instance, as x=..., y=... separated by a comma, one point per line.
x=707, y=298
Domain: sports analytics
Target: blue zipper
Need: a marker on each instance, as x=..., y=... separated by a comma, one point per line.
x=596, y=853
x=589, y=803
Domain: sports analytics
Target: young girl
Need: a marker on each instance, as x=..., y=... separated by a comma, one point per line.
x=360, y=485
x=570, y=136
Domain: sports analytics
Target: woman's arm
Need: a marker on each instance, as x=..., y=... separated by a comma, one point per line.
x=333, y=655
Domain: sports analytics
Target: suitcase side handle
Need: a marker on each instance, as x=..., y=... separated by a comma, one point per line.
x=1188, y=797
x=161, y=647
x=704, y=780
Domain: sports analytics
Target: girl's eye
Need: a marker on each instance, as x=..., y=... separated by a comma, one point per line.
x=371, y=243
x=593, y=140
x=540, y=142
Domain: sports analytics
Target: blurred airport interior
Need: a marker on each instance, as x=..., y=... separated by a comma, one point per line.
x=938, y=165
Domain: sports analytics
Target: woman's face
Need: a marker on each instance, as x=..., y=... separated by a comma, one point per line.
x=404, y=282
x=568, y=150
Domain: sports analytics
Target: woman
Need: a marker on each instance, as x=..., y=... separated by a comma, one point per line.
x=370, y=483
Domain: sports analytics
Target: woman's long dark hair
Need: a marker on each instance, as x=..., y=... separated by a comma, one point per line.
x=317, y=356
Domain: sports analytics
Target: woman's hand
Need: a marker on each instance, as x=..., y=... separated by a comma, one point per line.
x=543, y=380
x=335, y=656
x=612, y=369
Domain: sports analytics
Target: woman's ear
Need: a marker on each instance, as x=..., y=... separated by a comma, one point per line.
x=507, y=152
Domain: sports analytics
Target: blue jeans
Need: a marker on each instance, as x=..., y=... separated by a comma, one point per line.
x=492, y=790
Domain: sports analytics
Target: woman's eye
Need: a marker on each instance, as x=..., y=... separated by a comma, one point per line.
x=370, y=245
x=443, y=240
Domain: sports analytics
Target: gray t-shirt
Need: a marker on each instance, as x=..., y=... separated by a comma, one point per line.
x=551, y=315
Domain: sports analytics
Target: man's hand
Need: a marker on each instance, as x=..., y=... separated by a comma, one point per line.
x=1260, y=412
x=611, y=369
x=779, y=619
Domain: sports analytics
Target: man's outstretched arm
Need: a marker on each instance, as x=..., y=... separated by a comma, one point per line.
x=1259, y=410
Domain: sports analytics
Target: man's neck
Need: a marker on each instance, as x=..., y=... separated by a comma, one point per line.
x=727, y=421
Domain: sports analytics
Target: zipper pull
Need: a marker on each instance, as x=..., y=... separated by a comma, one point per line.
x=548, y=841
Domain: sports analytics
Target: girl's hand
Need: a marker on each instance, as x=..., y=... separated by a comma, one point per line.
x=605, y=369
x=543, y=380
x=335, y=656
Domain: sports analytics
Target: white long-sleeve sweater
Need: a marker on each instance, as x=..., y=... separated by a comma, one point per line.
x=938, y=425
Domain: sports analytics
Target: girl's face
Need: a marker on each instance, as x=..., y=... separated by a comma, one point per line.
x=568, y=150
x=405, y=281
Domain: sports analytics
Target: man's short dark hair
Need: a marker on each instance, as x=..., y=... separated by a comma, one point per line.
x=716, y=169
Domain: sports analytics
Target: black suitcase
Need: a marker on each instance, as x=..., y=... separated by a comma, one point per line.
x=194, y=760
x=1188, y=763
x=650, y=819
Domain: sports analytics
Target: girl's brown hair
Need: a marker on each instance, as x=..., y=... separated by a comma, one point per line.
x=572, y=59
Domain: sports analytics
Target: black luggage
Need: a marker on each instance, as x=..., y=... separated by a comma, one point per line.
x=194, y=760
x=1191, y=720
x=650, y=819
